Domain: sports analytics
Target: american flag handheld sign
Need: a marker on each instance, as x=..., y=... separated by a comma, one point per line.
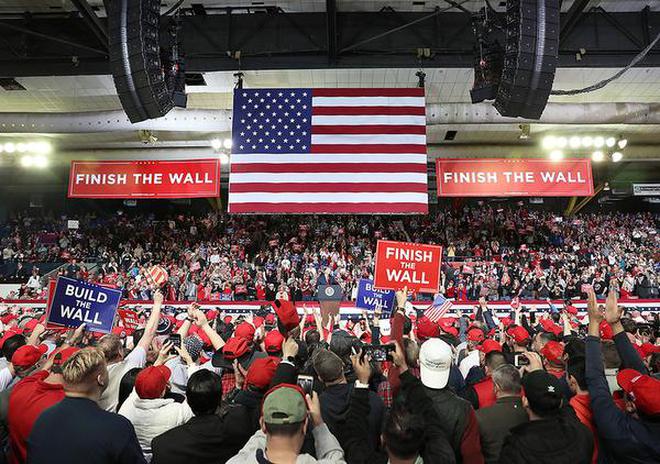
x=329, y=151
x=156, y=276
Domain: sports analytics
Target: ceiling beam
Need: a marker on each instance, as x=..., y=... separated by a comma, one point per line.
x=277, y=40
x=92, y=21
x=572, y=18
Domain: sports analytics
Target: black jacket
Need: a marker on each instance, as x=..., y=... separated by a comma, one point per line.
x=335, y=401
x=561, y=439
x=212, y=439
x=356, y=448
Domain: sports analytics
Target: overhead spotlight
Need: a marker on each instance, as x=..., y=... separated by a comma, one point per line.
x=587, y=141
x=524, y=131
x=27, y=161
x=598, y=156
x=610, y=142
x=561, y=142
x=42, y=147
x=556, y=155
x=549, y=142
x=224, y=158
x=599, y=142
x=10, y=147
x=216, y=144
x=227, y=143
x=607, y=187
x=574, y=142
x=622, y=143
x=40, y=161
x=617, y=156
x=21, y=147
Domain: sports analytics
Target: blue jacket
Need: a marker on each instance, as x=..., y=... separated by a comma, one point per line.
x=623, y=438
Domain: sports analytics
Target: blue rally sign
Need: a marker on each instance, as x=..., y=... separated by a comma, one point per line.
x=76, y=301
x=370, y=298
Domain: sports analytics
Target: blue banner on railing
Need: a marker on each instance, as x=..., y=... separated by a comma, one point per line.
x=75, y=302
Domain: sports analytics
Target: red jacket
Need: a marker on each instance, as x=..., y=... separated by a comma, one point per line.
x=582, y=407
x=485, y=392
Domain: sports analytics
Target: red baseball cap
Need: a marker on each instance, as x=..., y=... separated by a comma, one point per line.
x=273, y=341
x=570, y=309
x=151, y=382
x=28, y=355
x=606, y=332
x=489, y=345
x=261, y=372
x=245, y=330
x=227, y=319
x=644, y=389
x=235, y=348
x=519, y=335
x=258, y=321
x=31, y=324
x=7, y=335
x=476, y=335
x=63, y=355
x=270, y=319
x=426, y=328
x=287, y=314
x=506, y=321
x=647, y=349
x=553, y=351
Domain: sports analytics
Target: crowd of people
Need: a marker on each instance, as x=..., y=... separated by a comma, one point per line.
x=495, y=253
x=280, y=387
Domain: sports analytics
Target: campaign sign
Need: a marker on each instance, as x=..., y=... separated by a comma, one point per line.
x=129, y=318
x=75, y=302
x=369, y=297
x=412, y=265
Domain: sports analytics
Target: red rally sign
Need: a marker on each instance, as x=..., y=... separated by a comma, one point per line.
x=412, y=265
x=514, y=177
x=198, y=178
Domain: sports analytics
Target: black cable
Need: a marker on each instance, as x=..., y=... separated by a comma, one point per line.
x=603, y=83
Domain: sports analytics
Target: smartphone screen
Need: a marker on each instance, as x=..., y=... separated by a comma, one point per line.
x=306, y=382
x=175, y=339
x=519, y=360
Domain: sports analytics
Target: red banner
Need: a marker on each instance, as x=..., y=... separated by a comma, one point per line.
x=514, y=177
x=145, y=179
x=412, y=265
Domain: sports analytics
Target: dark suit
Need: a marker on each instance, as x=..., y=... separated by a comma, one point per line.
x=495, y=422
x=212, y=439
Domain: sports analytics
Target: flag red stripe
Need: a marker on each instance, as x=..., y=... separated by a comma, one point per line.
x=370, y=148
x=370, y=129
x=353, y=92
x=332, y=208
x=303, y=187
x=327, y=167
x=368, y=111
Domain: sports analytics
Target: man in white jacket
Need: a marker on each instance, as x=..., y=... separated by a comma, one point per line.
x=284, y=422
x=150, y=413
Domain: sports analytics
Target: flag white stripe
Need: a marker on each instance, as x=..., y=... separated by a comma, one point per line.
x=329, y=197
x=323, y=120
x=368, y=101
x=341, y=177
x=359, y=139
x=306, y=158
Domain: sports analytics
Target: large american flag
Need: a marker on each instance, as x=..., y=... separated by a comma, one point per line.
x=328, y=151
x=438, y=308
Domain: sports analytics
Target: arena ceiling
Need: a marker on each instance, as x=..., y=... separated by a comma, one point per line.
x=58, y=79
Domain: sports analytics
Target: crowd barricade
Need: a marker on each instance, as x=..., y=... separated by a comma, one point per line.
x=348, y=308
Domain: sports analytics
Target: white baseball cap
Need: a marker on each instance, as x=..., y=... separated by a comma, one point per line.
x=435, y=362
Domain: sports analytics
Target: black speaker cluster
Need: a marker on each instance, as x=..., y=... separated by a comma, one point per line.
x=135, y=59
x=530, y=57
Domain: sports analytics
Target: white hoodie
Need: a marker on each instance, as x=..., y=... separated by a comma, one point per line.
x=153, y=417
